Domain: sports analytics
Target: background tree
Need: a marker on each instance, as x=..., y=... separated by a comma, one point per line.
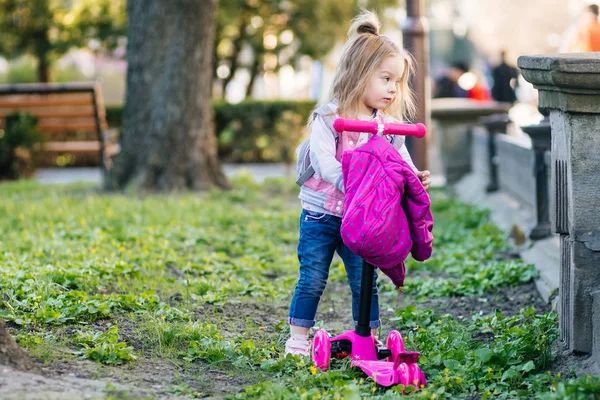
x=47, y=29
x=274, y=33
x=168, y=138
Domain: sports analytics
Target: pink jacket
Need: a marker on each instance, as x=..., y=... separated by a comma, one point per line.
x=387, y=210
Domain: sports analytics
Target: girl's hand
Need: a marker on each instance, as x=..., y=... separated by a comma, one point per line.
x=424, y=177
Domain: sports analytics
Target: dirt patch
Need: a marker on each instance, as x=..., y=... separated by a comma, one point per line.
x=11, y=354
x=21, y=385
x=334, y=308
x=256, y=313
x=145, y=378
x=509, y=300
x=65, y=376
x=571, y=365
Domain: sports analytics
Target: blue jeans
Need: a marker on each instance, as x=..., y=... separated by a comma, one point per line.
x=319, y=239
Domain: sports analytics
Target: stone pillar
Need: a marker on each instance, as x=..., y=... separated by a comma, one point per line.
x=541, y=142
x=569, y=86
x=453, y=119
x=494, y=124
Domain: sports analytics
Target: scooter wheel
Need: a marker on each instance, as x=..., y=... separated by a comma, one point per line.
x=422, y=379
x=321, y=352
x=395, y=344
x=403, y=372
x=417, y=378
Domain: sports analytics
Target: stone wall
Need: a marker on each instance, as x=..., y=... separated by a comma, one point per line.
x=515, y=169
x=515, y=197
x=569, y=87
x=480, y=155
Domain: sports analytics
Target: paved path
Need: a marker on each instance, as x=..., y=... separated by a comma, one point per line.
x=94, y=175
x=259, y=171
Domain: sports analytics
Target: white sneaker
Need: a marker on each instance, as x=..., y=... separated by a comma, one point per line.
x=298, y=344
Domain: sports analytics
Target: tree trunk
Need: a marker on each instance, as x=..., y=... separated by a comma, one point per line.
x=254, y=70
x=168, y=140
x=43, y=69
x=237, y=48
x=42, y=52
x=11, y=354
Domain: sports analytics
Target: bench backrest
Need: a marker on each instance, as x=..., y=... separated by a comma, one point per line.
x=70, y=111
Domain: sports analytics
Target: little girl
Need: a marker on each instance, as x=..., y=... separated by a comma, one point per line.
x=371, y=82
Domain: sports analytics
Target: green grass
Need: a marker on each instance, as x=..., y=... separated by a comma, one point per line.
x=187, y=279
x=466, y=246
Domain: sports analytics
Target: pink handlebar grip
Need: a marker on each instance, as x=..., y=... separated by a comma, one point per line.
x=390, y=128
x=354, y=125
x=417, y=130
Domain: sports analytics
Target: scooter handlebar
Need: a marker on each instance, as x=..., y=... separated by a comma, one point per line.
x=389, y=128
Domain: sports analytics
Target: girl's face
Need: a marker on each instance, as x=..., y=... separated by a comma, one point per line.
x=383, y=85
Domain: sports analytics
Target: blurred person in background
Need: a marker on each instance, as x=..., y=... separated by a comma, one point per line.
x=584, y=35
x=447, y=85
x=475, y=86
x=505, y=81
x=478, y=90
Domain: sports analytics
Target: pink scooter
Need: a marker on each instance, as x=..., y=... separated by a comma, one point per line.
x=387, y=366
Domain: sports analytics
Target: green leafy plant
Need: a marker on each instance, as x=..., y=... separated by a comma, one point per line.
x=585, y=387
x=252, y=130
x=487, y=355
x=260, y=130
x=16, y=141
x=103, y=346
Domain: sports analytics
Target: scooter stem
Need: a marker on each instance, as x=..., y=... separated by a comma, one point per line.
x=363, y=327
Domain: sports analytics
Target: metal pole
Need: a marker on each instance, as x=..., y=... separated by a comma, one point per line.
x=415, y=38
x=366, y=295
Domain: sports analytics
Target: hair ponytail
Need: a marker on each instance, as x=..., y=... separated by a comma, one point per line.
x=362, y=54
x=365, y=22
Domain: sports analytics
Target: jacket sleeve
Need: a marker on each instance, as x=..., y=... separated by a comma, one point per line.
x=406, y=155
x=417, y=206
x=322, y=153
x=399, y=142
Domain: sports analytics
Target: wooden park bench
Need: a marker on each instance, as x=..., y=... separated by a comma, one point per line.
x=71, y=117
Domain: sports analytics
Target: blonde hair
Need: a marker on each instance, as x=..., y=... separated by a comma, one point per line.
x=362, y=54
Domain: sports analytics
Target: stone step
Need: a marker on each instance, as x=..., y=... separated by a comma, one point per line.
x=545, y=255
x=517, y=220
